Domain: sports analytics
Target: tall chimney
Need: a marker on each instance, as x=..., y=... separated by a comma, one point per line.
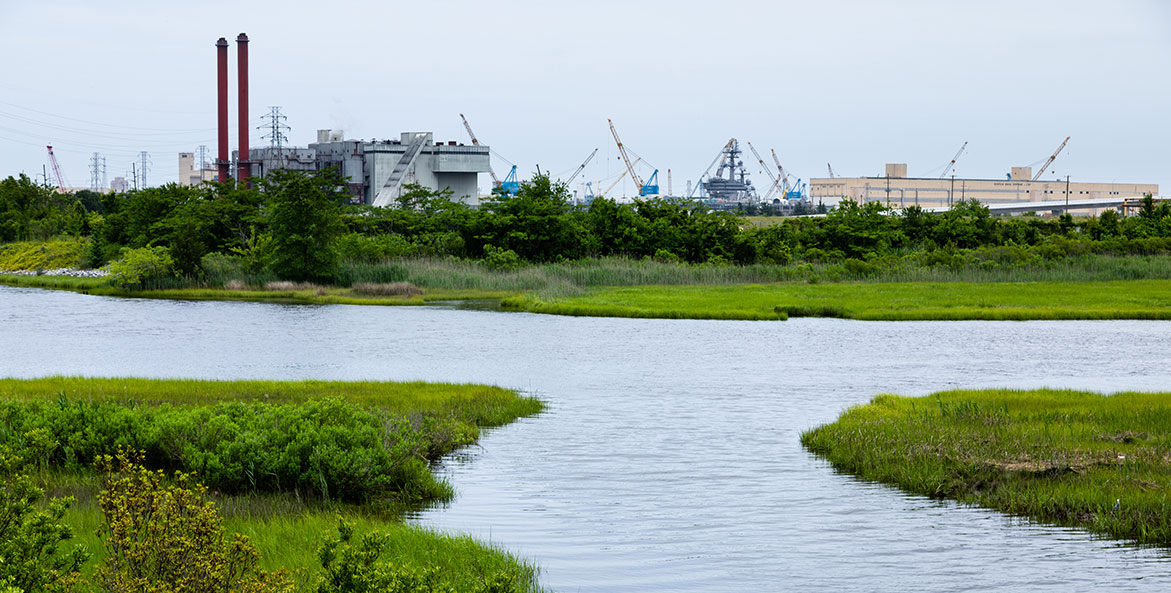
x=222, y=100
x=244, y=166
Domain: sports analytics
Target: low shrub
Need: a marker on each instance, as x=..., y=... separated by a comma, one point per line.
x=137, y=267
x=168, y=537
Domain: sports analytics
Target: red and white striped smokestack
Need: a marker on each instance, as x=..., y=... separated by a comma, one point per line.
x=244, y=167
x=222, y=101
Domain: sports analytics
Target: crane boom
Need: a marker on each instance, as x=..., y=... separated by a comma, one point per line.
x=56, y=170
x=1052, y=158
x=831, y=170
x=952, y=164
x=620, y=178
x=784, y=175
x=475, y=142
x=583, y=166
x=719, y=157
x=622, y=151
x=767, y=170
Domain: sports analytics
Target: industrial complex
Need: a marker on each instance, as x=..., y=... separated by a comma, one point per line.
x=379, y=170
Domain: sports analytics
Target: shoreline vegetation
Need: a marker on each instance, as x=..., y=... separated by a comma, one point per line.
x=283, y=461
x=295, y=237
x=1083, y=287
x=1072, y=458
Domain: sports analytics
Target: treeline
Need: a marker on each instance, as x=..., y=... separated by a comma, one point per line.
x=298, y=227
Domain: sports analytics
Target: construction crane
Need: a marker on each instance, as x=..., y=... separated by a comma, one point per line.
x=831, y=170
x=616, y=181
x=719, y=158
x=651, y=187
x=784, y=175
x=767, y=170
x=475, y=142
x=1052, y=158
x=952, y=164
x=56, y=170
x=583, y=166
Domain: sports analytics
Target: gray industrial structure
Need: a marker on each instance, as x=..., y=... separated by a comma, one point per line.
x=379, y=169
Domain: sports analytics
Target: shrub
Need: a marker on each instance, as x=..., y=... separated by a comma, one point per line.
x=499, y=258
x=350, y=566
x=31, y=532
x=170, y=538
x=136, y=267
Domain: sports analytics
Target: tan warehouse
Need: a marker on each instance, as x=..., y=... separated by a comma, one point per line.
x=900, y=191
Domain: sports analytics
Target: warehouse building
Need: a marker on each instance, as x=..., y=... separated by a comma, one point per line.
x=900, y=191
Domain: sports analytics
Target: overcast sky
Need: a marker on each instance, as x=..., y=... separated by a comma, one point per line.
x=855, y=84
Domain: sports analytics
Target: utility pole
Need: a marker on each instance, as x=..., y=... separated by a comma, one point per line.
x=134, y=174
x=145, y=157
x=1067, y=194
x=952, y=190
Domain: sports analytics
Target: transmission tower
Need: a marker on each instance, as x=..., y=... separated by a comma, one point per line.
x=144, y=158
x=105, y=184
x=276, y=123
x=95, y=172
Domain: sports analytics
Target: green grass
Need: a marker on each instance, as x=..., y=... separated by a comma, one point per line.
x=1087, y=287
x=1133, y=299
x=1071, y=458
x=286, y=528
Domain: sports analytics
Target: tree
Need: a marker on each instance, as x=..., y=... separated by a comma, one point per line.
x=538, y=223
x=304, y=218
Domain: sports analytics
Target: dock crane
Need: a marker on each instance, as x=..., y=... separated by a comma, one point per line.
x=56, y=170
x=651, y=187
x=1052, y=158
x=583, y=166
x=616, y=181
x=719, y=158
x=475, y=142
x=952, y=164
x=785, y=176
x=767, y=170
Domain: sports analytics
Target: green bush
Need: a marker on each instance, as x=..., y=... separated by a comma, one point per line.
x=350, y=566
x=136, y=267
x=169, y=538
x=326, y=448
x=31, y=533
x=499, y=258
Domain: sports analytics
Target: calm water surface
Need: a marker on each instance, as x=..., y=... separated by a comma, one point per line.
x=668, y=459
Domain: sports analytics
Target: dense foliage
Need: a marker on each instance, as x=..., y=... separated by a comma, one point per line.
x=298, y=227
x=324, y=448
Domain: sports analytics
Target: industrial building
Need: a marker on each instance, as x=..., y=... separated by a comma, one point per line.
x=378, y=170
x=900, y=191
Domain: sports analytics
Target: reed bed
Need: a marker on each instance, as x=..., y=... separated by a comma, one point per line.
x=1095, y=461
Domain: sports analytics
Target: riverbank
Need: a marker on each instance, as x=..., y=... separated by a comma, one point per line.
x=1091, y=287
x=345, y=427
x=1073, y=458
x=892, y=301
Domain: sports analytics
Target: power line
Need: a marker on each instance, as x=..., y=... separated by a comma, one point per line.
x=275, y=137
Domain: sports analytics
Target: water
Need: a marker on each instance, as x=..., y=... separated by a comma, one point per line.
x=668, y=459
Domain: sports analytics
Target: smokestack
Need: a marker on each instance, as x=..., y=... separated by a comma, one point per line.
x=222, y=101
x=244, y=167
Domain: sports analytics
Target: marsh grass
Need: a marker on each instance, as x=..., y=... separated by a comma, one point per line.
x=1067, y=457
x=287, y=528
x=889, y=301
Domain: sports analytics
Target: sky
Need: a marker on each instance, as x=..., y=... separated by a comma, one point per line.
x=855, y=84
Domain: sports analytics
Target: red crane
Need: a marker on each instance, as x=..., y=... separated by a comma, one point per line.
x=56, y=170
